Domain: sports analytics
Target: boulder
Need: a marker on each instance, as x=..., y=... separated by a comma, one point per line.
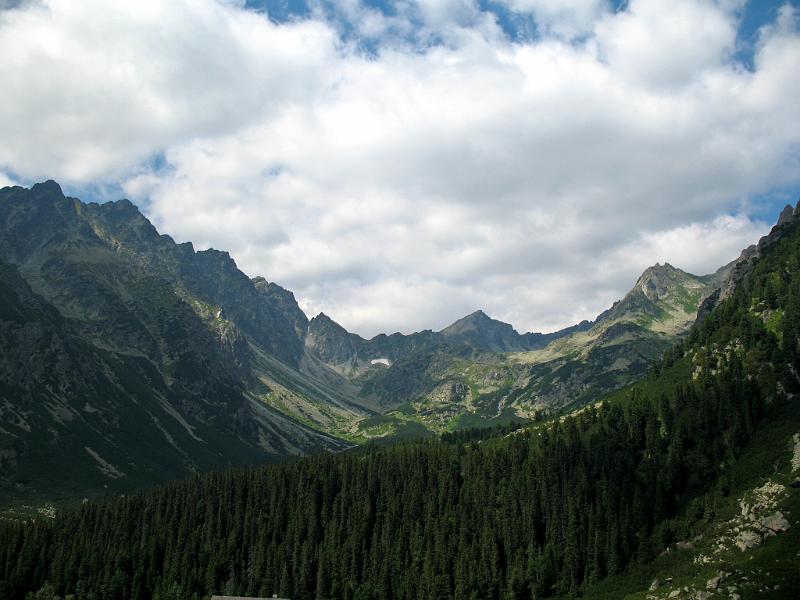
x=654, y=586
x=747, y=539
x=776, y=522
x=713, y=583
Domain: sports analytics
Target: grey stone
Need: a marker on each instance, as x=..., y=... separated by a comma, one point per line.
x=748, y=539
x=776, y=522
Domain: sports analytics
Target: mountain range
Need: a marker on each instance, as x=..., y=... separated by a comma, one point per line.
x=685, y=484
x=129, y=359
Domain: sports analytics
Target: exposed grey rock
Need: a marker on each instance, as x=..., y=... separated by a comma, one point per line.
x=713, y=583
x=786, y=214
x=748, y=539
x=776, y=522
x=654, y=586
x=741, y=267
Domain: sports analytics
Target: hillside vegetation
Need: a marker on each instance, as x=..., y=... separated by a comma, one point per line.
x=554, y=509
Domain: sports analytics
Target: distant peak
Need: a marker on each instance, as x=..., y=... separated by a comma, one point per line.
x=49, y=188
x=659, y=268
x=787, y=214
x=121, y=209
x=124, y=203
x=323, y=322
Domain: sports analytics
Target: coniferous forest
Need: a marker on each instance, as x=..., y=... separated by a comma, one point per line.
x=533, y=513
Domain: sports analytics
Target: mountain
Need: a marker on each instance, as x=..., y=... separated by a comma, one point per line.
x=184, y=357
x=684, y=485
x=478, y=330
x=351, y=354
x=129, y=359
x=481, y=371
x=740, y=269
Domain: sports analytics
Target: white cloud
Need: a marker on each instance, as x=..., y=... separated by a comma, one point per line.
x=405, y=189
x=6, y=181
x=669, y=43
x=94, y=87
x=564, y=18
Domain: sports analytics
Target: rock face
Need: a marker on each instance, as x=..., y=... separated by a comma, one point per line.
x=742, y=266
x=776, y=523
x=127, y=359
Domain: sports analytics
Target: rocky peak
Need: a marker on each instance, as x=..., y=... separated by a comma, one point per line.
x=322, y=323
x=475, y=320
x=657, y=281
x=787, y=214
x=479, y=330
x=744, y=264
x=47, y=188
x=121, y=222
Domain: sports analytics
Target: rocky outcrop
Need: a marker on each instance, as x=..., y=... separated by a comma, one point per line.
x=743, y=265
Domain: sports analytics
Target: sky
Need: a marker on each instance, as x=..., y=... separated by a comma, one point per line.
x=398, y=165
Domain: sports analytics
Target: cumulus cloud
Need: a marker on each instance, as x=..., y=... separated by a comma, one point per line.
x=95, y=87
x=669, y=43
x=563, y=18
x=401, y=189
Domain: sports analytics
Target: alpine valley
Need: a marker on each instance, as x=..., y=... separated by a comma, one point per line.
x=128, y=359
x=653, y=453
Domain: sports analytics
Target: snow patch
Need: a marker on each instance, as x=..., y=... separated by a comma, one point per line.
x=380, y=361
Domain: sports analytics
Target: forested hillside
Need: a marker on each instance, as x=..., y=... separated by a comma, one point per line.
x=540, y=512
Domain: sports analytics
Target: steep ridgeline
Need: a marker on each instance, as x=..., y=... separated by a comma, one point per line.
x=129, y=359
x=351, y=354
x=738, y=270
x=682, y=486
x=480, y=371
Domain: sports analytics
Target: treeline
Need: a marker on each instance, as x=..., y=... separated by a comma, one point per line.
x=532, y=513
